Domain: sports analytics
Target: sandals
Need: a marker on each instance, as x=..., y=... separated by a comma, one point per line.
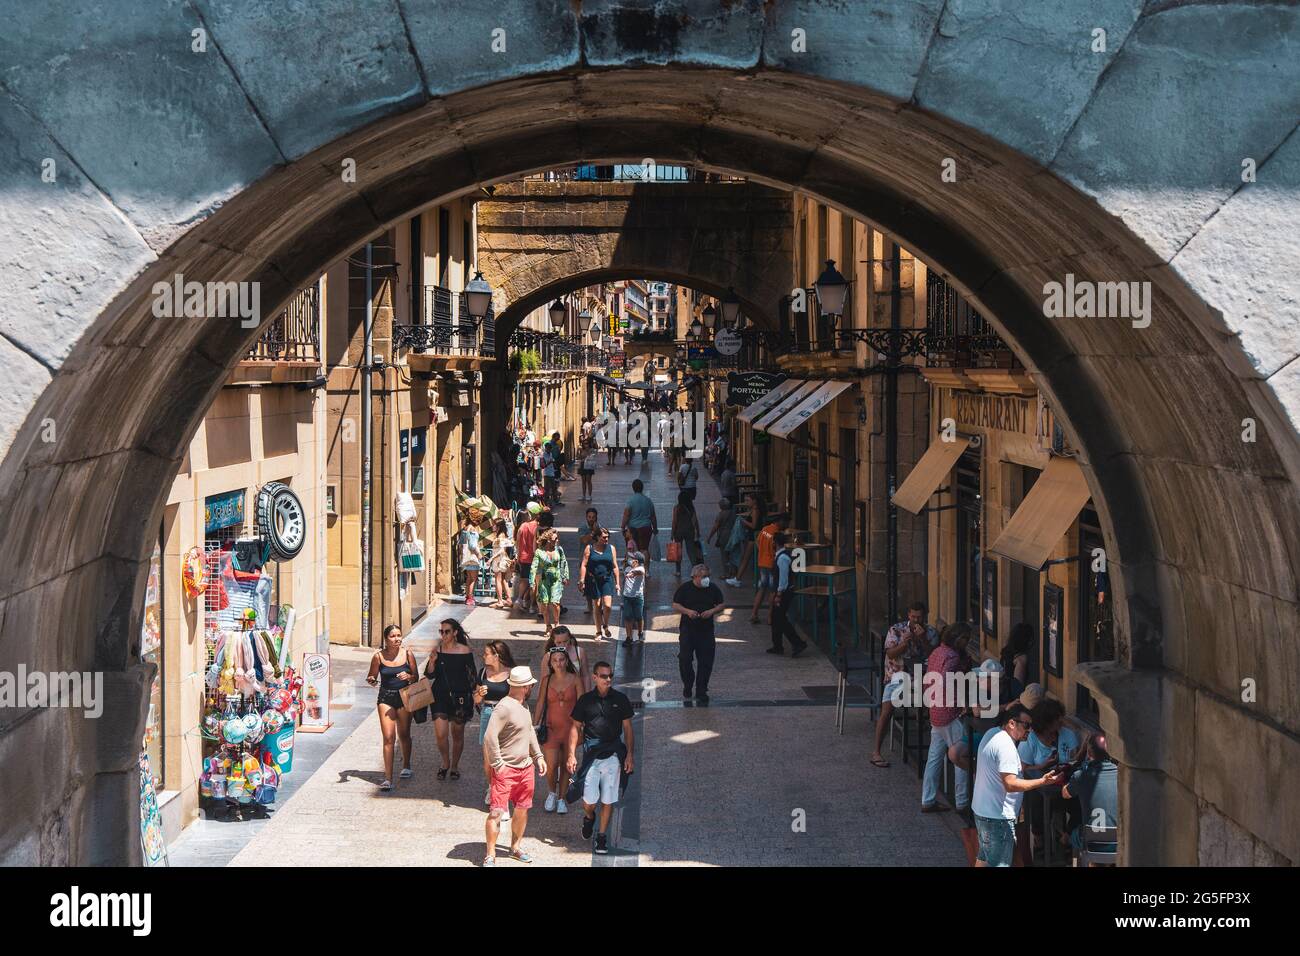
x=880, y=762
x=442, y=773
x=386, y=785
x=455, y=775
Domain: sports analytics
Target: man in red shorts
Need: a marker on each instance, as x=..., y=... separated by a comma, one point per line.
x=512, y=750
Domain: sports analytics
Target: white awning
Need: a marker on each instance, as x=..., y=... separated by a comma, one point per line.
x=809, y=407
x=790, y=401
x=1045, y=515
x=929, y=473
x=763, y=404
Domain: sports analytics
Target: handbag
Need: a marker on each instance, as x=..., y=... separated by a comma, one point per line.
x=655, y=550
x=418, y=695
x=411, y=555
x=541, y=729
x=674, y=551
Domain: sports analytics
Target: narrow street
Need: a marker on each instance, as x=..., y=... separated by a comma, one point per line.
x=716, y=785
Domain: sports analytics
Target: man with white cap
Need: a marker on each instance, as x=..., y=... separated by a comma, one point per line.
x=512, y=751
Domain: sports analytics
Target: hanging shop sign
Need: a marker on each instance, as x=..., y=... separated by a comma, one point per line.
x=617, y=365
x=281, y=520
x=727, y=342
x=744, y=388
x=613, y=323
x=315, y=693
x=223, y=511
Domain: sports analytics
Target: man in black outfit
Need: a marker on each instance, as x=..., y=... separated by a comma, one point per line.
x=698, y=601
x=604, y=718
x=781, y=600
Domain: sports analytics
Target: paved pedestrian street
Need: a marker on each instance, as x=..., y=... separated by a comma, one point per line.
x=757, y=777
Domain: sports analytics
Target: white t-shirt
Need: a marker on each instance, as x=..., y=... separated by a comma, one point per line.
x=689, y=474
x=997, y=756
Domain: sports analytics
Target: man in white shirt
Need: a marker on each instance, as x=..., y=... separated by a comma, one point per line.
x=999, y=788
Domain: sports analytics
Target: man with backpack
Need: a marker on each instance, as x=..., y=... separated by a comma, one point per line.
x=782, y=597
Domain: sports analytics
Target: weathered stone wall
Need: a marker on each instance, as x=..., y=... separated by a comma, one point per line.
x=1120, y=164
x=538, y=240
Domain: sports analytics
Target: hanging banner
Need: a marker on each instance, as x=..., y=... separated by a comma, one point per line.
x=315, y=693
x=223, y=511
x=745, y=388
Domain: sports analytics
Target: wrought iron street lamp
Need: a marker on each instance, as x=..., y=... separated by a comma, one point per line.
x=478, y=297
x=831, y=288
x=731, y=309
x=710, y=316
x=696, y=331
x=557, y=312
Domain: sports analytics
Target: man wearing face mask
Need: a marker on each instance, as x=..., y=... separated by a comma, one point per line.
x=698, y=601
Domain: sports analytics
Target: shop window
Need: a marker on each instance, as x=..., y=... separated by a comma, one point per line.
x=151, y=652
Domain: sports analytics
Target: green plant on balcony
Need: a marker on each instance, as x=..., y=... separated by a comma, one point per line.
x=525, y=360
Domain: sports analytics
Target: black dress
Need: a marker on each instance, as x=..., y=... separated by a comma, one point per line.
x=453, y=687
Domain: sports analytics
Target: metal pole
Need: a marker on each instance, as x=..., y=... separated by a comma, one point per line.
x=366, y=440
x=893, y=360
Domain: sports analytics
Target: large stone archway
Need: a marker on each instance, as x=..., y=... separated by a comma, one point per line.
x=1058, y=177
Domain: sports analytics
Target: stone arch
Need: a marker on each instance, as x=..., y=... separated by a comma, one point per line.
x=1062, y=178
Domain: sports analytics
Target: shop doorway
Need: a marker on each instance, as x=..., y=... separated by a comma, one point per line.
x=969, y=544
x=1096, y=640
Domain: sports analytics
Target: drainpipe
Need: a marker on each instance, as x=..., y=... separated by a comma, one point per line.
x=893, y=361
x=366, y=463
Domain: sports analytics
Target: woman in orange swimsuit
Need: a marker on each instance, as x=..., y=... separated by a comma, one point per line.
x=555, y=699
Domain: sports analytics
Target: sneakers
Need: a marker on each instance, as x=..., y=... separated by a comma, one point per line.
x=406, y=773
x=688, y=693
x=588, y=827
x=561, y=806
x=386, y=785
x=469, y=601
x=733, y=582
x=776, y=650
x=602, y=844
x=550, y=803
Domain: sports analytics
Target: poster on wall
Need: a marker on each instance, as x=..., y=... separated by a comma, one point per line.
x=989, y=595
x=315, y=693
x=1052, y=629
x=151, y=828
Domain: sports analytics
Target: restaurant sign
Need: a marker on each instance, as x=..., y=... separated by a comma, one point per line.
x=1008, y=413
x=745, y=388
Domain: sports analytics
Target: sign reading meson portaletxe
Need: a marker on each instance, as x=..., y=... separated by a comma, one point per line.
x=745, y=388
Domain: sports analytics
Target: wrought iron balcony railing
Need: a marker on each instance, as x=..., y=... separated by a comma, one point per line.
x=957, y=335
x=294, y=334
x=447, y=328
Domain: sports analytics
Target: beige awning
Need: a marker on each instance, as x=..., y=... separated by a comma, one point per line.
x=761, y=406
x=806, y=409
x=1045, y=515
x=929, y=473
x=790, y=401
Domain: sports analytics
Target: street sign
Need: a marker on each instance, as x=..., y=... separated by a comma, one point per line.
x=727, y=342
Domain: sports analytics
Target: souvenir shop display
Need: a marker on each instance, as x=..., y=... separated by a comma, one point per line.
x=252, y=698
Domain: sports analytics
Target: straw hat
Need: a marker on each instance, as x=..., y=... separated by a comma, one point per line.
x=521, y=676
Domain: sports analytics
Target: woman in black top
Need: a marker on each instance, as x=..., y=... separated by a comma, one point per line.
x=491, y=688
x=392, y=670
x=451, y=669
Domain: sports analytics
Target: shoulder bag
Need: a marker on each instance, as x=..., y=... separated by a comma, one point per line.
x=541, y=729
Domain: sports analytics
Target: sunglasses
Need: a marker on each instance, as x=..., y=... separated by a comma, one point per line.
x=1025, y=723
x=605, y=676
x=445, y=630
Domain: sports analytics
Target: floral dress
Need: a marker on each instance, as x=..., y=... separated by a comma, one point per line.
x=549, y=572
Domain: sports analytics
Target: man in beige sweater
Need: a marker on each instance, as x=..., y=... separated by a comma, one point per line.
x=512, y=750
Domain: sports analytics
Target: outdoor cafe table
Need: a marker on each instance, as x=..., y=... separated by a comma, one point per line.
x=831, y=581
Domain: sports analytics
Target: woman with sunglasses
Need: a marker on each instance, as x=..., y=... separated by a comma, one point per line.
x=450, y=668
x=598, y=579
x=491, y=688
x=563, y=637
x=392, y=670
x=560, y=688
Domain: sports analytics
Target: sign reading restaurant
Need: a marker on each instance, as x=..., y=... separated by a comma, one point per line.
x=1008, y=413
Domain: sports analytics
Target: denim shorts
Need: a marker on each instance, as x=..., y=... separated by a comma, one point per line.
x=997, y=840
x=767, y=579
x=484, y=716
x=633, y=608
